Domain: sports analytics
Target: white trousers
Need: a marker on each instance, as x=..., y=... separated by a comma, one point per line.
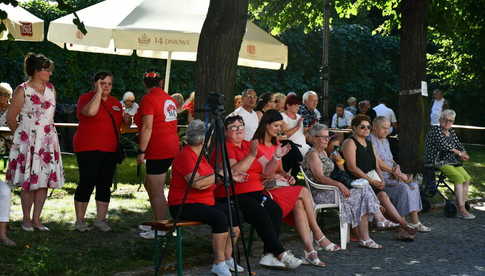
x=5, y=201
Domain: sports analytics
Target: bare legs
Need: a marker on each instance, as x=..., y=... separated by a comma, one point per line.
x=461, y=194
x=390, y=209
x=228, y=248
x=219, y=242
x=154, y=185
x=33, y=198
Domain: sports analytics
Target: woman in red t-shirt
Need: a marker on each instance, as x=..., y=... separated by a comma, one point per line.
x=199, y=204
x=95, y=144
x=158, y=142
x=258, y=209
x=295, y=201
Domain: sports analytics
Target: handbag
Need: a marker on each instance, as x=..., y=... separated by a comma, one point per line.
x=120, y=151
x=342, y=177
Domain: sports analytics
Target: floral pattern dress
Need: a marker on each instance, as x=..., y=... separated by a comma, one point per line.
x=360, y=202
x=35, y=156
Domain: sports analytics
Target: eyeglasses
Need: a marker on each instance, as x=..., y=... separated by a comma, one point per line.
x=449, y=121
x=325, y=137
x=365, y=126
x=236, y=128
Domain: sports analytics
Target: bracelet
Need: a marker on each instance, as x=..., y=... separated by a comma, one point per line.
x=140, y=152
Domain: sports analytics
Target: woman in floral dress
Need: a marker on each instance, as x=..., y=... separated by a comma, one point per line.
x=35, y=161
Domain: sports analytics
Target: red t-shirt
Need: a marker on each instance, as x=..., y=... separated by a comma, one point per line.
x=183, y=165
x=164, y=141
x=254, y=181
x=97, y=132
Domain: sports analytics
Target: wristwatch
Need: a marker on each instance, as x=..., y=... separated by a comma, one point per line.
x=140, y=151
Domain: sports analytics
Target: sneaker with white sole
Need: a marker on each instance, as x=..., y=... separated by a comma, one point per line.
x=102, y=225
x=221, y=269
x=290, y=260
x=230, y=264
x=81, y=226
x=269, y=260
x=150, y=235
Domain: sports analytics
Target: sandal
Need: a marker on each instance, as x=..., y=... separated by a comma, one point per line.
x=370, y=243
x=331, y=247
x=313, y=260
x=386, y=224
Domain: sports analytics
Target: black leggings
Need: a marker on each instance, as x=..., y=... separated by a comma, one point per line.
x=265, y=217
x=96, y=169
x=212, y=215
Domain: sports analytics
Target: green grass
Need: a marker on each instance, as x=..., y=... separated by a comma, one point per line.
x=63, y=251
x=66, y=252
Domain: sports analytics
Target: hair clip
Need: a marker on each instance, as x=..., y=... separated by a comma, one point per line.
x=151, y=75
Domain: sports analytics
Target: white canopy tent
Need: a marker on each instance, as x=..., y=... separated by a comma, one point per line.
x=21, y=24
x=164, y=29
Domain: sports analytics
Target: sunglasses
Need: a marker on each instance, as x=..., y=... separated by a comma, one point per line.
x=365, y=126
x=236, y=128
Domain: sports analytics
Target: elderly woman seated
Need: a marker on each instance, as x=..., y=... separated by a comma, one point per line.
x=360, y=205
x=444, y=151
x=199, y=203
x=403, y=191
x=361, y=162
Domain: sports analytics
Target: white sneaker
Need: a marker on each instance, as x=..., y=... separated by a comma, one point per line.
x=230, y=264
x=269, y=260
x=144, y=228
x=150, y=235
x=290, y=260
x=102, y=225
x=221, y=269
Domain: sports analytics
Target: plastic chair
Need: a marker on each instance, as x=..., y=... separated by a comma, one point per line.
x=344, y=227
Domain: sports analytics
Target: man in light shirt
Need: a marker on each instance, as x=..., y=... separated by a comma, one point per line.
x=246, y=111
x=439, y=104
x=382, y=110
x=342, y=118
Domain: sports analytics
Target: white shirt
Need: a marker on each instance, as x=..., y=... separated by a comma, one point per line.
x=383, y=110
x=130, y=110
x=341, y=122
x=250, y=119
x=298, y=137
x=436, y=111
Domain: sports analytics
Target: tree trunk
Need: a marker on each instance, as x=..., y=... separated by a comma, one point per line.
x=218, y=50
x=412, y=115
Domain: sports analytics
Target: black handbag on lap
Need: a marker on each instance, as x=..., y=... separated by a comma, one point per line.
x=342, y=177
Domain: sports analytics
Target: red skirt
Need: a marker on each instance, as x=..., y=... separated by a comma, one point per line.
x=286, y=198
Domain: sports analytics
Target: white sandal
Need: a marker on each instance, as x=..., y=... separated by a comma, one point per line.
x=331, y=247
x=370, y=243
x=315, y=260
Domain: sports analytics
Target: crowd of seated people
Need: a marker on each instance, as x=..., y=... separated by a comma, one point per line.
x=267, y=194
x=267, y=140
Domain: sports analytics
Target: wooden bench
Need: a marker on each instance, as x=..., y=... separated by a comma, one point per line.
x=167, y=226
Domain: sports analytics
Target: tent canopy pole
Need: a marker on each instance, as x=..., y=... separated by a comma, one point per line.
x=167, y=72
